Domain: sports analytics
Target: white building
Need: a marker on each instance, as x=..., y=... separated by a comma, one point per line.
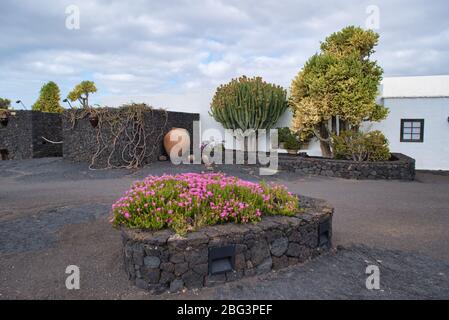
x=418, y=123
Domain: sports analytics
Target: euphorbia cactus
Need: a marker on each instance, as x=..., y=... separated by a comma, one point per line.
x=248, y=103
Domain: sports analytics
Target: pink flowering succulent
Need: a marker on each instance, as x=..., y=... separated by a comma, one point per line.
x=189, y=201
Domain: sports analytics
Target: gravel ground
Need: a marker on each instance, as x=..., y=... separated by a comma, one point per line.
x=54, y=214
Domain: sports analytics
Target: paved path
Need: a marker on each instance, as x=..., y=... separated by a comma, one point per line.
x=54, y=213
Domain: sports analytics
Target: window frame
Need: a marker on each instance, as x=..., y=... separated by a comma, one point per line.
x=421, y=134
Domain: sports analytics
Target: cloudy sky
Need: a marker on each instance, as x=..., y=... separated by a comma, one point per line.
x=175, y=53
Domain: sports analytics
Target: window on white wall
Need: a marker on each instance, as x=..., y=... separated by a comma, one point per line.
x=412, y=130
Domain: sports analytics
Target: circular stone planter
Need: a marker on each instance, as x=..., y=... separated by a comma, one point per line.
x=161, y=261
x=400, y=167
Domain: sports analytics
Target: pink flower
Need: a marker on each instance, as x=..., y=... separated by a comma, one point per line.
x=226, y=197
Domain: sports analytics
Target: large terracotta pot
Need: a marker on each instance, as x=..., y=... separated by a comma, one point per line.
x=179, y=137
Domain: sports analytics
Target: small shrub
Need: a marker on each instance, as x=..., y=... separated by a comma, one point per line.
x=359, y=146
x=288, y=138
x=283, y=134
x=186, y=202
x=292, y=143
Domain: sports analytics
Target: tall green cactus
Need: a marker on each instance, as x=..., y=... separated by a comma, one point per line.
x=248, y=103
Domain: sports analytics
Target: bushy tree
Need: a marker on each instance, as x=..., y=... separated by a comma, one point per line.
x=5, y=103
x=81, y=93
x=340, y=81
x=49, y=99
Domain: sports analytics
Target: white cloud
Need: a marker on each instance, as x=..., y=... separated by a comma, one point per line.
x=214, y=68
x=182, y=50
x=119, y=77
x=52, y=68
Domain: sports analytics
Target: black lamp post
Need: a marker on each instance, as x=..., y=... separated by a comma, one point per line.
x=67, y=101
x=20, y=102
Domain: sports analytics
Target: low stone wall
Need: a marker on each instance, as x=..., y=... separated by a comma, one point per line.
x=161, y=261
x=400, y=167
x=80, y=138
x=22, y=137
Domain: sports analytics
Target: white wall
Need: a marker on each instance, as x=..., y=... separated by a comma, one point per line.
x=433, y=153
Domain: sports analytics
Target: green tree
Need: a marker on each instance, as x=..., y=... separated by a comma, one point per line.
x=81, y=93
x=49, y=99
x=339, y=82
x=5, y=103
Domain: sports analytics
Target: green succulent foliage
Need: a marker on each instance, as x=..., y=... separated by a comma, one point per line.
x=283, y=134
x=248, y=103
x=359, y=146
x=82, y=92
x=292, y=143
x=340, y=81
x=351, y=40
x=5, y=103
x=49, y=99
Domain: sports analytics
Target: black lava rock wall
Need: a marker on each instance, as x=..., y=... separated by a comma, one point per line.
x=22, y=137
x=81, y=138
x=161, y=261
x=399, y=167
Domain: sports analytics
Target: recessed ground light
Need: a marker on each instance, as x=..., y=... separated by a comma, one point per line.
x=323, y=236
x=221, y=259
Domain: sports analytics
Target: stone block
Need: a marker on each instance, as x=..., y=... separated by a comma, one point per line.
x=152, y=262
x=279, y=246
